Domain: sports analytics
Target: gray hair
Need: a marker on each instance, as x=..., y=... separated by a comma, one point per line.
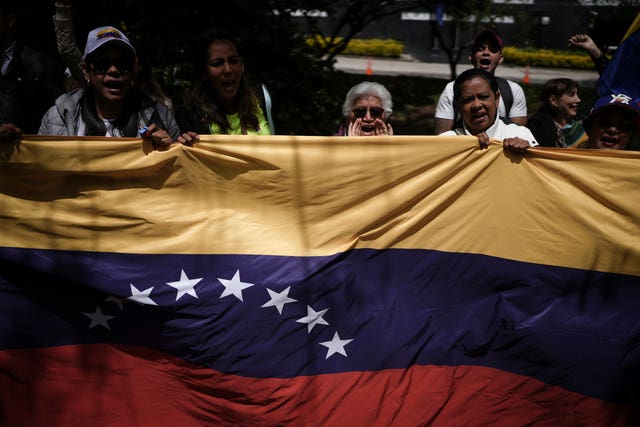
x=367, y=89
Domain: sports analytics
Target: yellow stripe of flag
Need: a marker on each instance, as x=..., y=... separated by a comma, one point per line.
x=305, y=196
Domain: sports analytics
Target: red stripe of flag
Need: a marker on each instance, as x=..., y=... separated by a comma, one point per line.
x=104, y=385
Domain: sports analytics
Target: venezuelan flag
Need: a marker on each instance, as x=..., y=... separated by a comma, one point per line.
x=316, y=281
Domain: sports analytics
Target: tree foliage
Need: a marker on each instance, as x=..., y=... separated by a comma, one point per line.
x=346, y=18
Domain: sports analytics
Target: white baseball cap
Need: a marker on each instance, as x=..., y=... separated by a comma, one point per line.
x=103, y=35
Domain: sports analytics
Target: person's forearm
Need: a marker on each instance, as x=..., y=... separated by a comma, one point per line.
x=442, y=125
x=65, y=38
x=65, y=35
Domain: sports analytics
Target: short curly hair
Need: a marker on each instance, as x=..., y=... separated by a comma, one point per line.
x=367, y=89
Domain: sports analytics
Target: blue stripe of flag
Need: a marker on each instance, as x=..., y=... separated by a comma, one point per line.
x=577, y=329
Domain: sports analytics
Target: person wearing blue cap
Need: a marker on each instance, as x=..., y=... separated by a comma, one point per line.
x=111, y=105
x=614, y=123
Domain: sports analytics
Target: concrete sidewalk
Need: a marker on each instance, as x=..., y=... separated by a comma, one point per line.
x=409, y=67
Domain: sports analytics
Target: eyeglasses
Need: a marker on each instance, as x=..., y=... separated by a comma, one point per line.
x=101, y=65
x=361, y=112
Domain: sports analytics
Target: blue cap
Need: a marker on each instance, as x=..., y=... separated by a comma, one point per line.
x=617, y=100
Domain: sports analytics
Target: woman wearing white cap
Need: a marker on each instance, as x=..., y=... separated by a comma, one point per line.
x=111, y=105
x=72, y=56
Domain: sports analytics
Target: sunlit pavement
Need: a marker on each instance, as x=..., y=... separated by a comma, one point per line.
x=408, y=67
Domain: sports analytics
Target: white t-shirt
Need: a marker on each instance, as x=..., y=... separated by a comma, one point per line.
x=500, y=130
x=111, y=131
x=444, y=109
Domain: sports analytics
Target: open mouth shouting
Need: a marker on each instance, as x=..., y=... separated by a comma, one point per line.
x=114, y=87
x=228, y=87
x=367, y=128
x=480, y=119
x=485, y=64
x=609, y=141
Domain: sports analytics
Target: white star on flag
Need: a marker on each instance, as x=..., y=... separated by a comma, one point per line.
x=98, y=318
x=336, y=345
x=313, y=318
x=141, y=297
x=185, y=285
x=234, y=286
x=278, y=300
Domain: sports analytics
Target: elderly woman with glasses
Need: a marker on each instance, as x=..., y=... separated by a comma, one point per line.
x=366, y=109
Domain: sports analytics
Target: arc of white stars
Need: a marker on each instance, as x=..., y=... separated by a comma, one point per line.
x=234, y=286
x=313, y=318
x=141, y=297
x=279, y=299
x=99, y=319
x=185, y=285
x=336, y=345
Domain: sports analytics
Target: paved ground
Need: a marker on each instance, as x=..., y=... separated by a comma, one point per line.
x=409, y=66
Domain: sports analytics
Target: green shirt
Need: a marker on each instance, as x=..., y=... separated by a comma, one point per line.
x=235, y=129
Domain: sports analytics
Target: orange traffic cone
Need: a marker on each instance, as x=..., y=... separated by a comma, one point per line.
x=369, y=71
x=526, y=79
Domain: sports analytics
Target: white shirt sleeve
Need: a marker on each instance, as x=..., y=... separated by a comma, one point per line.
x=517, y=131
x=519, y=106
x=444, y=109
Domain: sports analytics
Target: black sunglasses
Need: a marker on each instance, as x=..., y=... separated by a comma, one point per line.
x=101, y=65
x=620, y=123
x=361, y=112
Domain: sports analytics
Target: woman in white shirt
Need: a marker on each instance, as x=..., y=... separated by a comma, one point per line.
x=476, y=97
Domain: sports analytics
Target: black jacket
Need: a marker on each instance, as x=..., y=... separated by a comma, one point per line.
x=30, y=86
x=190, y=118
x=543, y=128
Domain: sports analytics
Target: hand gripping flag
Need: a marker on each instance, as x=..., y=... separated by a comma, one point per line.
x=311, y=281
